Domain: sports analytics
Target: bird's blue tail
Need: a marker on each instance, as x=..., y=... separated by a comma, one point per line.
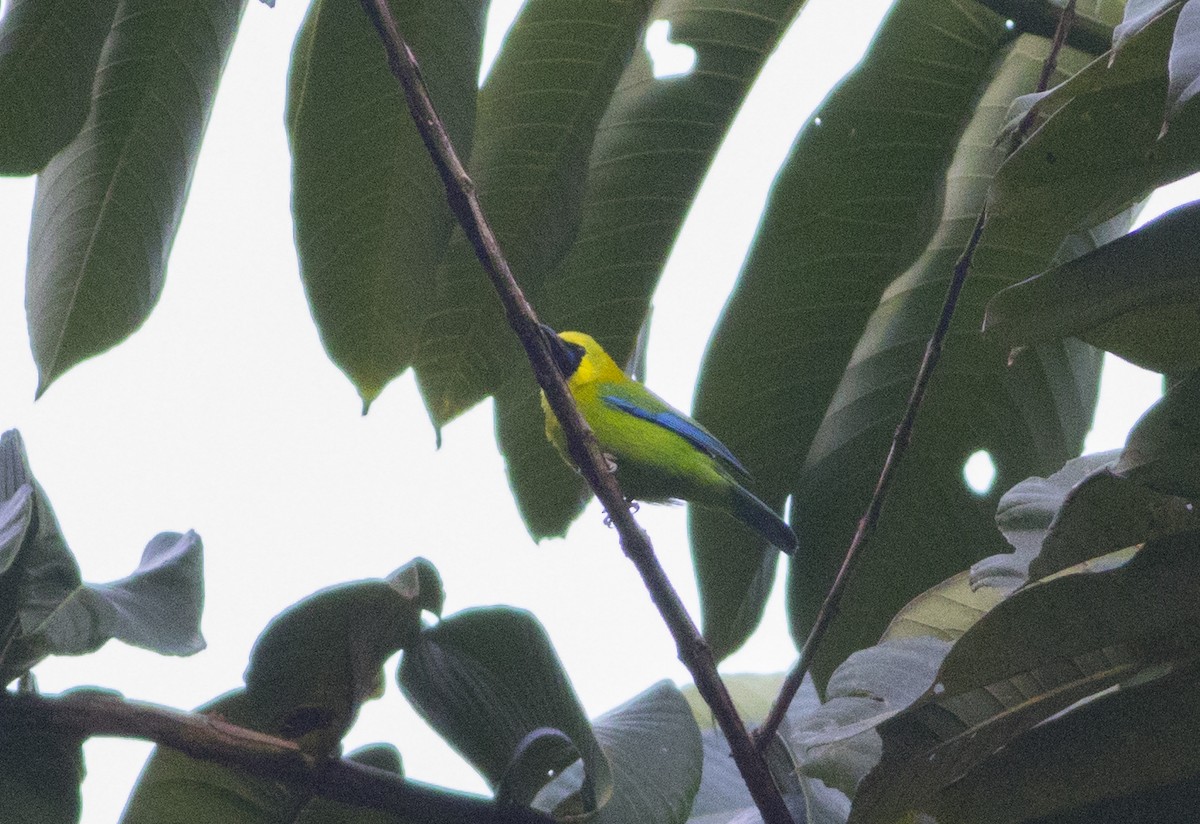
x=763, y=520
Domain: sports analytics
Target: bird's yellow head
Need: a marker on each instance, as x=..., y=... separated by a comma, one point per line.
x=580, y=359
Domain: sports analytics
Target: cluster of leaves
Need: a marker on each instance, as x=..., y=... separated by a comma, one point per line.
x=47, y=609
x=1052, y=682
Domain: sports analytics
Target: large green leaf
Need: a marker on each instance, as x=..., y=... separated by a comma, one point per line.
x=1029, y=416
x=652, y=150
x=108, y=205
x=1051, y=644
x=1136, y=296
x=371, y=215
x=536, y=123
x=310, y=671
x=1129, y=755
x=489, y=682
x=656, y=754
x=854, y=204
x=48, y=55
x=47, y=609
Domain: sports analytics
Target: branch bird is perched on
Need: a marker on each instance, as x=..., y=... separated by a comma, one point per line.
x=660, y=454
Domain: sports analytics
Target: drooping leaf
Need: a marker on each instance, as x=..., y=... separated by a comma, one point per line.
x=852, y=209
x=371, y=215
x=1106, y=512
x=40, y=774
x=1163, y=451
x=49, y=610
x=1049, y=645
x=536, y=123
x=108, y=205
x=1136, y=297
x=48, y=55
x=656, y=754
x=1128, y=755
x=488, y=678
x=653, y=147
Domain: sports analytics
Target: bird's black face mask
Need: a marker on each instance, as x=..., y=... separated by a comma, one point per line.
x=567, y=356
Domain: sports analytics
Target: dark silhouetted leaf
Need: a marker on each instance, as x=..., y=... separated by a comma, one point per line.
x=48, y=55
x=1128, y=755
x=371, y=215
x=108, y=205
x=310, y=671
x=1051, y=644
x=485, y=679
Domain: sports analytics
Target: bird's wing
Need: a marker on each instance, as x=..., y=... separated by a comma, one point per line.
x=654, y=409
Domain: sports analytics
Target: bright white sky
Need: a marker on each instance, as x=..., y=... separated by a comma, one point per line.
x=224, y=415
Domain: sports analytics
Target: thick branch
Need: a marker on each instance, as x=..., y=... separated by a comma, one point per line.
x=900, y=440
x=89, y=713
x=460, y=193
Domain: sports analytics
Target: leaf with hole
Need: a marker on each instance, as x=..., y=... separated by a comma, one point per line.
x=652, y=149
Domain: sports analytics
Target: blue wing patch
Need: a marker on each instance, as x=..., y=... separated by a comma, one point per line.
x=686, y=428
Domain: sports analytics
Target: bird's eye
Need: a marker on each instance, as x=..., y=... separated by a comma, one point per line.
x=567, y=355
x=577, y=353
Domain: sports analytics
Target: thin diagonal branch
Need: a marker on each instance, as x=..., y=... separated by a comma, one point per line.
x=692, y=649
x=903, y=435
x=87, y=713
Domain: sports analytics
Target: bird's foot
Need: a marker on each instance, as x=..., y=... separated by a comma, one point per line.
x=633, y=505
x=610, y=461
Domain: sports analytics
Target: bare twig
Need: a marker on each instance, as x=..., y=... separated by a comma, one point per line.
x=900, y=440
x=692, y=649
x=89, y=713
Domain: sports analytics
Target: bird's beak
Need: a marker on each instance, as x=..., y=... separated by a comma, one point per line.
x=566, y=360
